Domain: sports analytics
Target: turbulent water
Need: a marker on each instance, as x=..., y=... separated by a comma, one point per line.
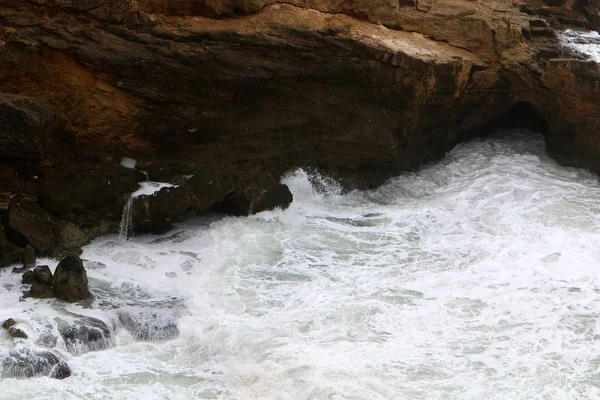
x=474, y=278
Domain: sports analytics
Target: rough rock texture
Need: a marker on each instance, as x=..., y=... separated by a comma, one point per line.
x=26, y=363
x=9, y=252
x=246, y=90
x=28, y=257
x=70, y=280
x=85, y=335
x=41, y=283
x=28, y=223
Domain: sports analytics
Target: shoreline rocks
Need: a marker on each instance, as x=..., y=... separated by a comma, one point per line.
x=70, y=280
x=224, y=107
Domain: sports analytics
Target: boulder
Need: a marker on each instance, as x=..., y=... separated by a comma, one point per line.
x=70, y=280
x=85, y=335
x=17, y=333
x=29, y=223
x=60, y=371
x=41, y=283
x=28, y=257
x=27, y=363
x=9, y=252
x=8, y=323
x=275, y=196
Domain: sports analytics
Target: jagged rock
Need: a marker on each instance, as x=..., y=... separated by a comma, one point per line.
x=41, y=283
x=8, y=323
x=17, y=333
x=28, y=257
x=29, y=223
x=27, y=363
x=70, y=280
x=207, y=185
x=60, y=371
x=40, y=274
x=85, y=335
x=275, y=196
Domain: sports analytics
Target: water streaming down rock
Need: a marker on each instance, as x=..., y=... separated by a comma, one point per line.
x=126, y=220
x=147, y=188
x=473, y=278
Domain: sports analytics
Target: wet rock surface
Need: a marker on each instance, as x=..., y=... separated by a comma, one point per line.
x=85, y=335
x=9, y=252
x=148, y=325
x=29, y=223
x=28, y=257
x=27, y=363
x=41, y=281
x=70, y=280
x=223, y=107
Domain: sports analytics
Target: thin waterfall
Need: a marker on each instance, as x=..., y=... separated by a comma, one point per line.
x=126, y=220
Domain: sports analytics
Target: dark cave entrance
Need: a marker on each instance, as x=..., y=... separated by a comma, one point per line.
x=522, y=115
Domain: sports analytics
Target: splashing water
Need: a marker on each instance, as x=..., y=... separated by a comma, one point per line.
x=476, y=277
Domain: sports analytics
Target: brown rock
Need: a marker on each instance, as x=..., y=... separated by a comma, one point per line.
x=41, y=274
x=28, y=257
x=30, y=223
x=40, y=291
x=9, y=252
x=358, y=89
x=8, y=323
x=17, y=333
x=70, y=280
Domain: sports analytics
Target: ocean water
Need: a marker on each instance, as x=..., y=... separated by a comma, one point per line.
x=587, y=43
x=477, y=277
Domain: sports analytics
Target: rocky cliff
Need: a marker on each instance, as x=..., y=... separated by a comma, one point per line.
x=221, y=97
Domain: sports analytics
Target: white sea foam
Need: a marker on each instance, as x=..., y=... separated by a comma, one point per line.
x=584, y=42
x=149, y=188
x=128, y=162
x=476, y=277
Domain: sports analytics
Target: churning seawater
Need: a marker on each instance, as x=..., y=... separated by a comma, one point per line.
x=475, y=278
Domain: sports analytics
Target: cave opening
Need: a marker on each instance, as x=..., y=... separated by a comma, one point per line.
x=522, y=115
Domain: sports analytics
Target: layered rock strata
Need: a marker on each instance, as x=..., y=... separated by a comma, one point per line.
x=222, y=97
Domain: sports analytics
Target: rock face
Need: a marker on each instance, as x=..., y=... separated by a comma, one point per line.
x=70, y=280
x=30, y=223
x=246, y=90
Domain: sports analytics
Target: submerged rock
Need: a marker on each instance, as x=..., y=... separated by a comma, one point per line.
x=17, y=333
x=149, y=325
x=60, y=371
x=85, y=335
x=70, y=280
x=27, y=363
